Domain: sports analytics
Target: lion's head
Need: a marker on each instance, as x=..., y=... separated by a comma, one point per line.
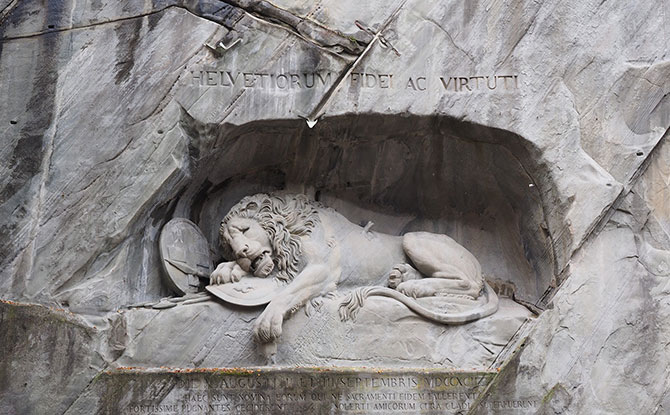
x=284, y=220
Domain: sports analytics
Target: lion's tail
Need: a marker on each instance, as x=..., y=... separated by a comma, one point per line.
x=355, y=300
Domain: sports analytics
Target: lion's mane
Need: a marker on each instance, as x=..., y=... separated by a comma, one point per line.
x=286, y=219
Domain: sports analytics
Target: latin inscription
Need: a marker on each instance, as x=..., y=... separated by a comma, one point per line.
x=261, y=80
x=277, y=392
x=357, y=80
x=478, y=83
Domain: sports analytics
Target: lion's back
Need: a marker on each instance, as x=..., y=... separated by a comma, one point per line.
x=366, y=256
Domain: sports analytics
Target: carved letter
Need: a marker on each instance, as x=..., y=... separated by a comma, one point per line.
x=307, y=82
x=464, y=82
x=476, y=78
x=197, y=79
x=445, y=84
x=410, y=84
x=504, y=77
x=325, y=81
x=248, y=80
x=384, y=82
x=369, y=77
x=419, y=81
x=285, y=81
x=262, y=76
x=232, y=80
x=295, y=80
x=222, y=79
x=210, y=78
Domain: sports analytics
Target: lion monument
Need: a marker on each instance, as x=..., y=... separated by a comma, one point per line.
x=304, y=251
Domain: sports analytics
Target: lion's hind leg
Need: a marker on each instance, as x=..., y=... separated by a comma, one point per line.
x=449, y=268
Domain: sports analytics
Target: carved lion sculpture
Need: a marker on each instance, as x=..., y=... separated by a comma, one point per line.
x=314, y=250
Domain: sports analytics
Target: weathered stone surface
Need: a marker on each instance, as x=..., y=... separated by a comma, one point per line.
x=111, y=125
x=223, y=338
x=602, y=347
x=80, y=199
x=48, y=358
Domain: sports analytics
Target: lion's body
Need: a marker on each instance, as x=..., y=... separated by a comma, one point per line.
x=336, y=254
x=366, y=257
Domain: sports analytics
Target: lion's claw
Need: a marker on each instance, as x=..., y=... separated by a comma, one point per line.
x=401, y=273
x=268, y=326
x=395, y=278
x=225, y=273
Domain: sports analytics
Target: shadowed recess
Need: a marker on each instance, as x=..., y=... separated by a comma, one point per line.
x=479, y=185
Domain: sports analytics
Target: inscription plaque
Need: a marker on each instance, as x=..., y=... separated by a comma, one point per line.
x=300, y=80
x=283, y=391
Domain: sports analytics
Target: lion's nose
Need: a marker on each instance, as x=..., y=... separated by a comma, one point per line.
x=243, y=250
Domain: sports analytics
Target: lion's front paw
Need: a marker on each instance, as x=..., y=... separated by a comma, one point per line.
x=401, y=273
x=416, y=289
x=225, y=273
x=268, y=326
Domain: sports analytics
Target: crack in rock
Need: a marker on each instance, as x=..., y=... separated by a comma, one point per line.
x=312, y=31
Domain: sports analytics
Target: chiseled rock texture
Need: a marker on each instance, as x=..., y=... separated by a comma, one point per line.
x=115, y=117
x=48, y=358
x=603, y=346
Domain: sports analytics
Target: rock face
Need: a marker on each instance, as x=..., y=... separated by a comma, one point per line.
x=49, y=357
x=377, y=338
x=534, y=134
